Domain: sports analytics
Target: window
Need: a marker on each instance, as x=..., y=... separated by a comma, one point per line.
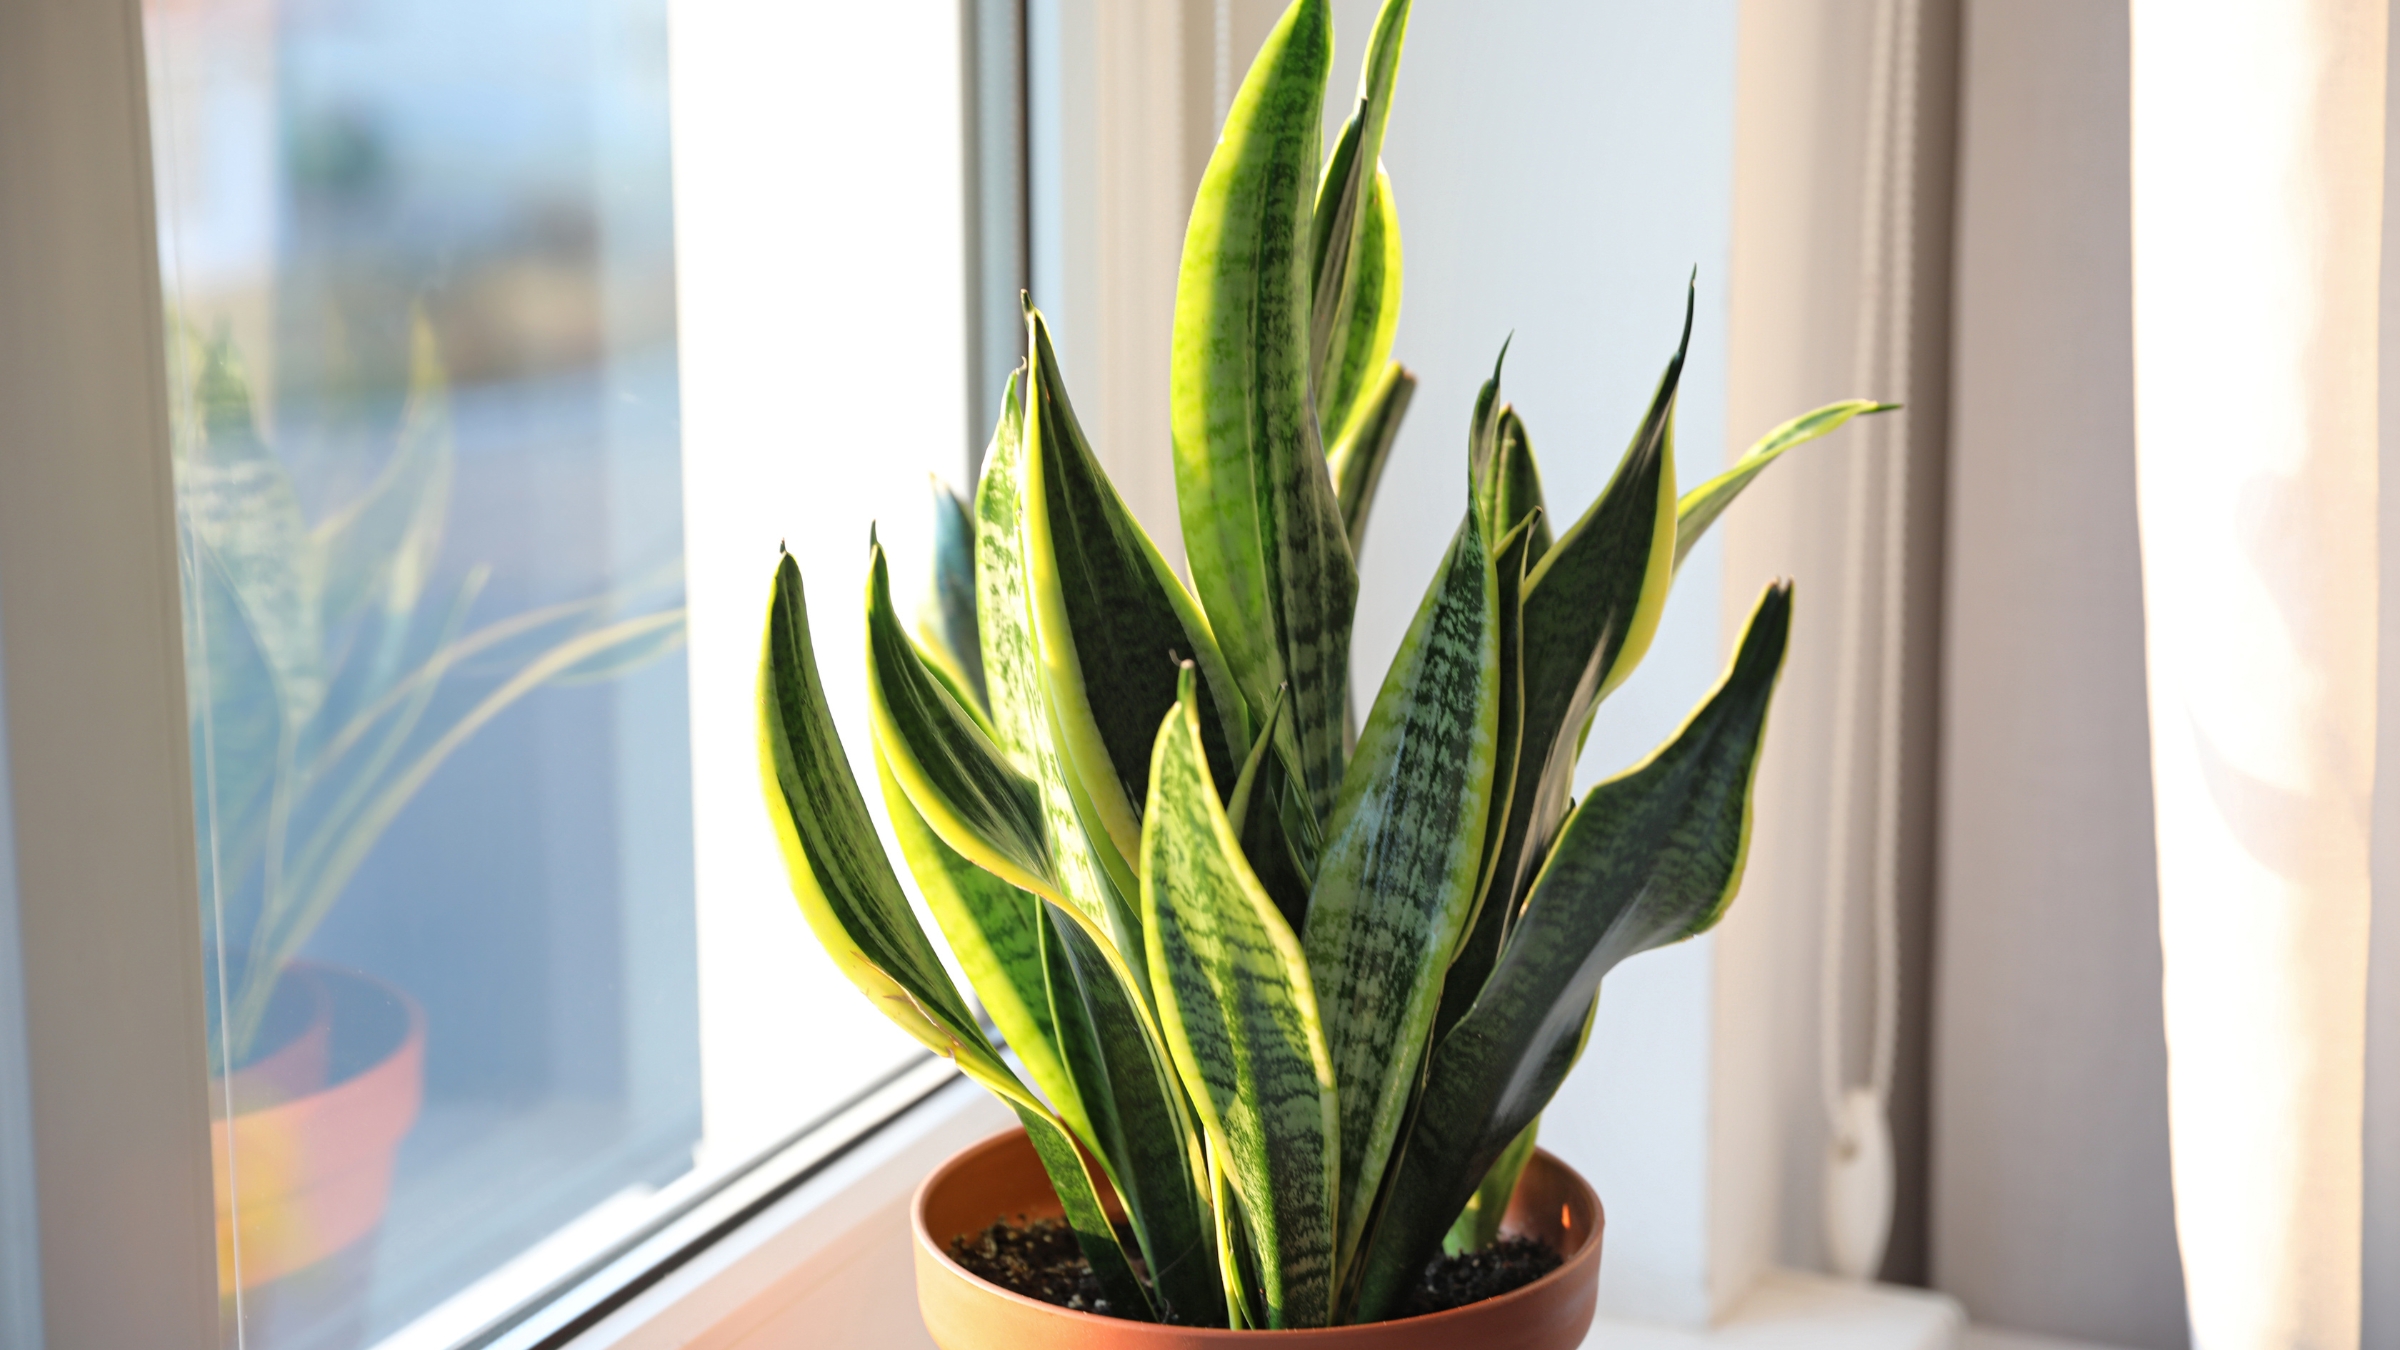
x=502, y=972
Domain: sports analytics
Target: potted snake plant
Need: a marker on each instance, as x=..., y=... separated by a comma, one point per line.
x=1285, y=994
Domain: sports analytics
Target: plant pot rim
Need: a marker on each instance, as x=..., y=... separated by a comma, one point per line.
x=1548, y=1300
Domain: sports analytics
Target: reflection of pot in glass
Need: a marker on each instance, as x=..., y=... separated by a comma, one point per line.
x=304, y=1164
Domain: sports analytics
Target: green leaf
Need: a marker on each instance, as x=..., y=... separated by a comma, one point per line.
x=942, y=758
x=1479, y=1223
x=1514, y=489
x=1701, y=506
x=994, y=929
x=1147, y=1136
x=1487, y=918
x=1013, y=681
x=1591, y=608
x=1241, y=1020
x=1113, y=622
x=1356, y=461
x=1652, y=856
x=1401, y=862
x=854, y=905
x=1262, y=530
x=1354, y=238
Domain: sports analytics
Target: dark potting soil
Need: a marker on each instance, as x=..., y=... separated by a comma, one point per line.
x=1471, y=1277
x=1039, y=1259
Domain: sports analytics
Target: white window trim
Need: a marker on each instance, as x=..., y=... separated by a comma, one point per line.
x=106, y=875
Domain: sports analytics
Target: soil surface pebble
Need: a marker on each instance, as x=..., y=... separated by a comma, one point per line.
x=1039, y=1259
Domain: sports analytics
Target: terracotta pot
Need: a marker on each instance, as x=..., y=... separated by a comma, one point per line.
x=1001, y=1178
x=304, y=1178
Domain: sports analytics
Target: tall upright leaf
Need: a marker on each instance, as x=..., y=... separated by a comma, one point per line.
x=1401, y=860
x=1012, y=665
x=1241, y=1020
x=1262, y=531
x=1591, y=608
x=1113, y=622
x=1651, y=856
x=1355, y=240
x=1487, y=917
x=855, y=907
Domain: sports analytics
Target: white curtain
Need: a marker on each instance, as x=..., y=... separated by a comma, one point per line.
x=2257, y=215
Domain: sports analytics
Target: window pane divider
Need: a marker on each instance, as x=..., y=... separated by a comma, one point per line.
x=98, y=750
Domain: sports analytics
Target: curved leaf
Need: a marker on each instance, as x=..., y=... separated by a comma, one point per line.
x=854, y=905
x=1262, y=531
x=1591, y=607
x=1240, y=1018
x=940, y=755
x=1012, y=665
x=1513, y=491
x=994, y=929
x=1354, y=242
x=1651, y=856
x=1479, y=1223
x=1401, y=861
x=1700, y=507
x=1112, y=622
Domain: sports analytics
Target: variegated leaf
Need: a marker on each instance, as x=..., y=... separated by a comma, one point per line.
x=1487, y=918
x=1591, y=607
x=1147, y=1137
x=1401, y=861
x=1700, y=507
x=856, y=908
x=1112, y=621
x=1355, y=239
x=1262, y=531
x=1651, y=856
x=1240, y=1018
x=941, y=756
x=1012, y=665
x=994, y=929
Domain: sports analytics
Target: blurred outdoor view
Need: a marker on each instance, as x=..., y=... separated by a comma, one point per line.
x=419, y=266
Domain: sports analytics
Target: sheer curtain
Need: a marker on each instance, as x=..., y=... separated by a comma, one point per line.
x=2258, y=152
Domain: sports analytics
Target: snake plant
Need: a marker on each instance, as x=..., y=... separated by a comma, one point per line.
x=1292, y=993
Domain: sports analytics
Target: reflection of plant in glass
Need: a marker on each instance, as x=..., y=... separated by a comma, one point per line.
x=316, y=660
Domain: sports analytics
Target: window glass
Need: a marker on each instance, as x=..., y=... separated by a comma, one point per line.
x=483, y=1000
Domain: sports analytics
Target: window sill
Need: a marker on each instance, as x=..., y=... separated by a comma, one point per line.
x=1791, y=1311
x=828, y=1264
